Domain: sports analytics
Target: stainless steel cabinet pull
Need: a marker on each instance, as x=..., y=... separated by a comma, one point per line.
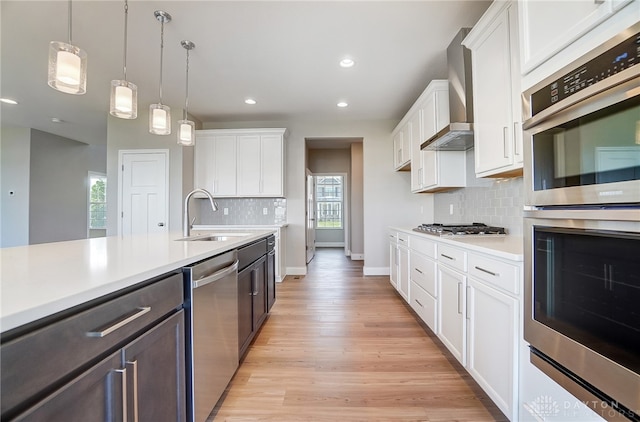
x=400, y=239
x=216, y=276
x=419, y=271
x=487, y=271
x=127, y=318
x=460, y=298
x=123, y=373
x=447, y=256
x=272, y=253
x=271, y=243
x=516, y=137
x=134, y=368
x=505, y=140
x=468, y=309
x=160, y=224
x=254, y=283
x=418, y=302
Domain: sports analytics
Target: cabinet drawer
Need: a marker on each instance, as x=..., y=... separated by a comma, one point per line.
x=425, y=305
x=455, y=258
x=423, y=272
x=403, y=239
x=500, y=274
x=424, y=246
x=45, y=356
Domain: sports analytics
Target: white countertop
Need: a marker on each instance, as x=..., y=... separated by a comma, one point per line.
x=502, y=246
x=40, y=280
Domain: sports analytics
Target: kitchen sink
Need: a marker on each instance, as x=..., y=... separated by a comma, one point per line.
x=217, y=237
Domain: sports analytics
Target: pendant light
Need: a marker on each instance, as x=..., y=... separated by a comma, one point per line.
x=124, y=95
x=160, y=114
x=67, y=65
x=186, y=128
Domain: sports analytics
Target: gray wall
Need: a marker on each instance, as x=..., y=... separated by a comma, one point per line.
x=15, y=147
x=497, y=202
x=59, y=186
x=357, y=205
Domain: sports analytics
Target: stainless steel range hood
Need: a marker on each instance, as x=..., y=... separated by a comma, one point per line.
x=458, y=135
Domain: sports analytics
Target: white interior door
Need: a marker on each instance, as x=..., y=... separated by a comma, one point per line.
x=311, y=216
x=144, y=191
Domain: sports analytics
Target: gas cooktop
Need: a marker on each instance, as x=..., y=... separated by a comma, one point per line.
x=459, y=229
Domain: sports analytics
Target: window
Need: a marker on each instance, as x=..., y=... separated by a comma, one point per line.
x=97, y=201
x=329, y=201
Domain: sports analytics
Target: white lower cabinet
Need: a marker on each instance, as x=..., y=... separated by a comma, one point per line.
x=493, y=343
x=452, y=329
x=403, y=266
x=471, y=300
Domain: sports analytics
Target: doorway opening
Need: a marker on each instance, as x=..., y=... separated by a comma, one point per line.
x=334, y=185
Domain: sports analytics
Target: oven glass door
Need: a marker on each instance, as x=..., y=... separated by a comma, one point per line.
x=586, y=285
x=598, y=148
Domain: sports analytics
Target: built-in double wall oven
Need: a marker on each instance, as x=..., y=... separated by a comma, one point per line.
x=582, y=226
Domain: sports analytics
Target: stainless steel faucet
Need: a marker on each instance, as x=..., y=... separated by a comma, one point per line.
x=186, y=228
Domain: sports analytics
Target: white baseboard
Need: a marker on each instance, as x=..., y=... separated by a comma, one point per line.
x=296, y=270
x=357, y=257
x=375, y=270
x=329, y=244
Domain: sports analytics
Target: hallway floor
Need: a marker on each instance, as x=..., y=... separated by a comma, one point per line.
x=342, y=347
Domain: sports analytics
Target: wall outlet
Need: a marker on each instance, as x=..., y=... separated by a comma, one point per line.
x=450, y=209
x=265, y=211
x=225, y=211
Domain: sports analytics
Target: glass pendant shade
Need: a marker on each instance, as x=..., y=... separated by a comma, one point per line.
x=159, y=119
x=67, y=68
x=186, y=133
x=124, y=99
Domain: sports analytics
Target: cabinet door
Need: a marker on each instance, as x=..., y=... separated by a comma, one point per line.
x=492, y=95
x=155, y=365
x=397, y=149
x=451, y=305
x=204, y=163
x=245, y=308
x=417, y=137
x=548, y=27
x=403, y=273
x=259, y=294
x=272, y=166
x=249, y=165
x=430, y=169
x=95, y=395
x=224, y=162
x=493, y=343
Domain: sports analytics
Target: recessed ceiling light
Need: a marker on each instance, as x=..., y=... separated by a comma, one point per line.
x=250, y=101
x=56, y=120
x=342, y=104
x=8, y=101
x=347, y=62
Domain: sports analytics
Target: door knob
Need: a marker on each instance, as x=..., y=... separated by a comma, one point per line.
x=160, y=224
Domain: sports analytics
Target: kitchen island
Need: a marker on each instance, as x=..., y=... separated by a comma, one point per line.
x=38, y=281
x=100, y=329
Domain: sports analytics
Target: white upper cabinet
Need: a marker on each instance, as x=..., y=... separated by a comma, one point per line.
x=496, y=90
x=433, y=170
x=402, y=147
x=240, y=162
x=214, y=170
x=555, y=33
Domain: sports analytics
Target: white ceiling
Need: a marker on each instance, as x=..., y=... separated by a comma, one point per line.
x=284, y=54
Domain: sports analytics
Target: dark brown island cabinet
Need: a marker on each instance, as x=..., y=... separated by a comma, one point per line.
x=117, y=358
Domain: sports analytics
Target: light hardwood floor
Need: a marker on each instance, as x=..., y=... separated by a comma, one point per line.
x=342, y=347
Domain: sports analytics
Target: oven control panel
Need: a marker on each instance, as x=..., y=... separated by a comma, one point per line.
x=621, y=57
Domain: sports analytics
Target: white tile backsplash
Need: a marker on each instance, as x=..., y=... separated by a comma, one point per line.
x=244, y=211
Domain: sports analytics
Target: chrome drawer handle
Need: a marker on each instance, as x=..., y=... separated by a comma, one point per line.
x=418, y=270
x=447, y=256
x=129, y=318
x=487, y=271
x=418, y=302
x=123, y=380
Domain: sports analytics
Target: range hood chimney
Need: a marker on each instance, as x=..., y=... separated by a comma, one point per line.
x=458, y=135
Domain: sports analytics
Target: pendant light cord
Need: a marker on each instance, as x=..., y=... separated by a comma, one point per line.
x=69, y=26
x=126, y=16
x=186, y=100
x=161, y=53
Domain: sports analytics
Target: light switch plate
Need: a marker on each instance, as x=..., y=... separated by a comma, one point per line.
x=265, y=211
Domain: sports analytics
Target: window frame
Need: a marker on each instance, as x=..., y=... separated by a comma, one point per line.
x=342, y=200
x=96, y=175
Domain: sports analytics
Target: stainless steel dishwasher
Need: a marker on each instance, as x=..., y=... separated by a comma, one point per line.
x=212, y=332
